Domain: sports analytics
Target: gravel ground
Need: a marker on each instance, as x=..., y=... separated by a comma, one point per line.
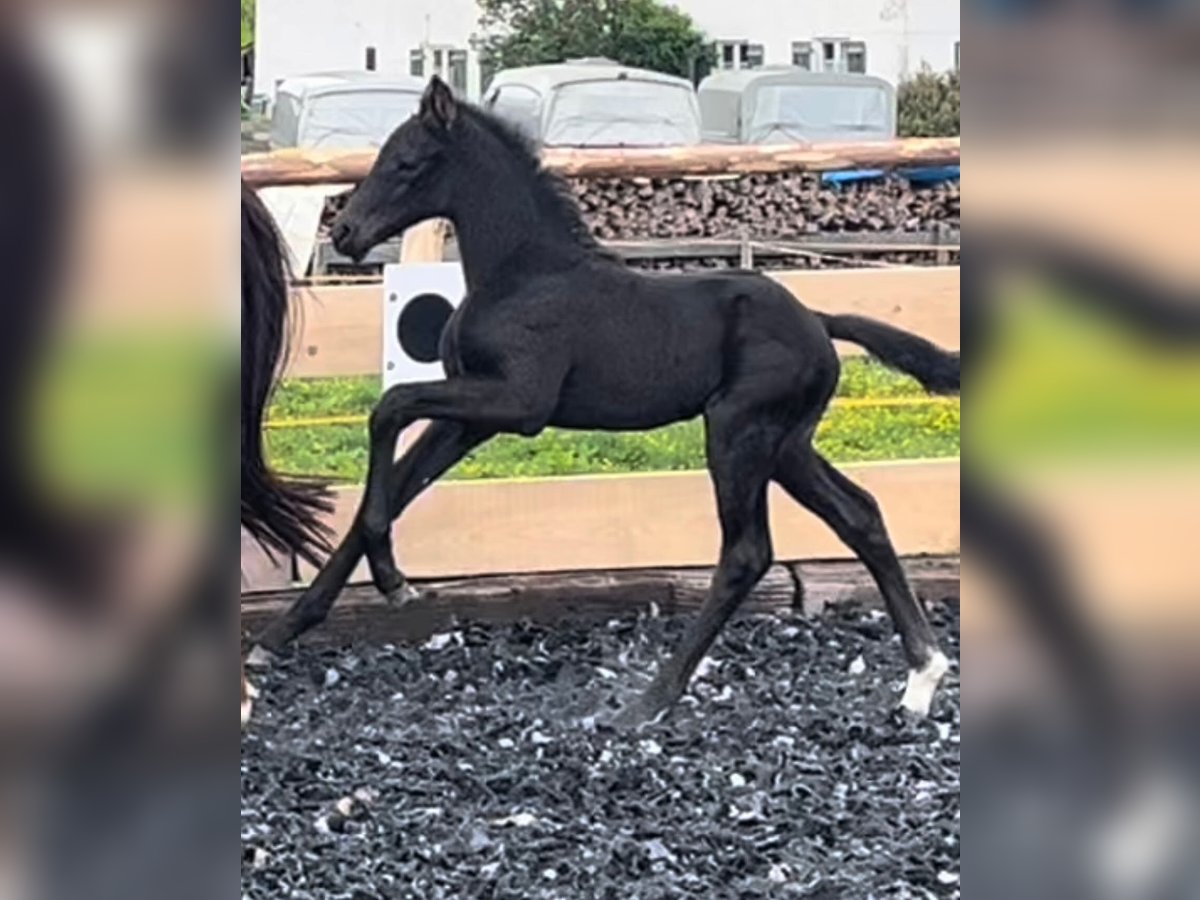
x=474, y=766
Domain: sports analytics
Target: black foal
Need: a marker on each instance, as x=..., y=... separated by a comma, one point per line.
x=555, y=332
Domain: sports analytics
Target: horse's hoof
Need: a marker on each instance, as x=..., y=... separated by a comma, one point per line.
x=275, y=638
x=645, y=710
x=923, y=684
x=259, y=657
x=402, y=595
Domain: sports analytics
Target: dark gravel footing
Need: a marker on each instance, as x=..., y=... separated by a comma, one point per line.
x=474, y=767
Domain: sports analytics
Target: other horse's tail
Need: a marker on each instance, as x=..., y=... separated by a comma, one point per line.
x=282, y=514
x=935, y=368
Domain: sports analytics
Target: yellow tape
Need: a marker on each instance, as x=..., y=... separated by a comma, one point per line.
x=839, y=403
x=317, y=421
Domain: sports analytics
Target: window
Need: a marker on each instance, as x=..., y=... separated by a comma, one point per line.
x=488, y=67
x=841, y=55
x=354, y=118
x=854, y=54
x=370, y=59
x=448, y=63
x=518, y=106
x=623, y=113
x=802, y=55
x=457, y=70
x=739, y=55
x=285, y=120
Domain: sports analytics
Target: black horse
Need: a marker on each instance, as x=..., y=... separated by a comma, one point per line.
x=556, y=332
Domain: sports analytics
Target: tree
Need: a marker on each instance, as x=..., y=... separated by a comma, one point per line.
x=643, y=33
x=928, y=105
x=247, y=23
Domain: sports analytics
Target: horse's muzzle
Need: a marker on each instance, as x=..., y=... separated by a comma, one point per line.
x=346, y=240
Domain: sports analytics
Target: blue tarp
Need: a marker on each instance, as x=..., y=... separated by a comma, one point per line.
x=916, y=175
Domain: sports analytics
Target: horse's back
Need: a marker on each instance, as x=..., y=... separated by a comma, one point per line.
x=648, y=349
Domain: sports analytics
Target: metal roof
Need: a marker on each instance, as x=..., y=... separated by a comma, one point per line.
x=740, y=79
x=547, y=77
x=330, y=82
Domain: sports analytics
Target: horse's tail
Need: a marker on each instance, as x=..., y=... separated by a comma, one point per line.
x=935, y=368
x=282, y=514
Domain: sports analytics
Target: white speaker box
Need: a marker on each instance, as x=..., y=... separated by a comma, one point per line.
x=418, y=299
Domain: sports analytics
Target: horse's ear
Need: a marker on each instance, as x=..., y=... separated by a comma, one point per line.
x=439, y=106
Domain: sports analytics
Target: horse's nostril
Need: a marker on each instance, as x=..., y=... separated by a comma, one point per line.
x=341, y=233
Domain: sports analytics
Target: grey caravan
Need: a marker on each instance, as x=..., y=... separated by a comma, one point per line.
x=787, y=104
x=596, y=103
x=336, y=111
x=342, y=110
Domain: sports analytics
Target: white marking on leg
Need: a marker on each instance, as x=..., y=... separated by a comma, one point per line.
x=923, y=684
x=259, y=658
x=1146, y=837
x=249, y=692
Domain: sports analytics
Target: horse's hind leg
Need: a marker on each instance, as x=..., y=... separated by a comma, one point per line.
x=854, y=515
x=742, y=446
x=439, y=447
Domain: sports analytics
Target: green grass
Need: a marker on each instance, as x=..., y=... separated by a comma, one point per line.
x=130, y=416
x=845, y=435
x=1067, y=385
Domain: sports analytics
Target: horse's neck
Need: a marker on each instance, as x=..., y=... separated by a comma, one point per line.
x=498, y=223
x=490, y=227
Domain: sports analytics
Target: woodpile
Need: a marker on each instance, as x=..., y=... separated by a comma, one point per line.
x=790, y=263
x=762, y=207
x=775, y=206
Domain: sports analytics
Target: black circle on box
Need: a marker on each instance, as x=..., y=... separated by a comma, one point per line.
x=419, y=328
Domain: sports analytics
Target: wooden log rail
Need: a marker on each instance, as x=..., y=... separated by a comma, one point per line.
x=306, y=167
x=339, y=321
x=803, y=587
x=459, y=529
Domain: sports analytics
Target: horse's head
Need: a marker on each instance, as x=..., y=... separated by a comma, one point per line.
x=406, y=184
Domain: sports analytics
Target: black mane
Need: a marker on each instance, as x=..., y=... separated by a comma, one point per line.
x=551, y=192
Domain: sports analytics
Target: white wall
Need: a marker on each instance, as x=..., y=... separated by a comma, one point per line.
x=294, y=37
x=932, y=27
x=298, y=36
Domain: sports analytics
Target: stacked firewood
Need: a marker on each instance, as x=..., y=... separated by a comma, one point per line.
x=777, y=205
x=785, y=262
x=761, y=207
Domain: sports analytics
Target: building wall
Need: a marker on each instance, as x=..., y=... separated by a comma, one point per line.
x=931, y=26
x=295, y=37
x=299, y=36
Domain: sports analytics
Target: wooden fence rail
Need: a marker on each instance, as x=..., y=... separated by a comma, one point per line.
x=614, y=522
x=342, y=327
x=297, y=167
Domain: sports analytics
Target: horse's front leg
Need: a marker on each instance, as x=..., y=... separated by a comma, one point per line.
x=488, y=405
x=439, y=447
